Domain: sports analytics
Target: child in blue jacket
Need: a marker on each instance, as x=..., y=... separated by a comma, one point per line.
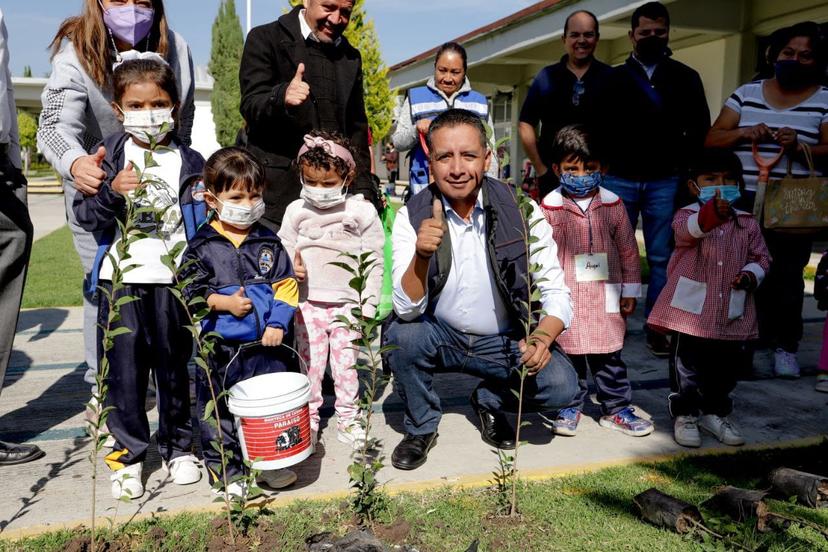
x=241, y=270
x=146, y=101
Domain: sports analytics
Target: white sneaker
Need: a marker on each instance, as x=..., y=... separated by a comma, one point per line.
x=822, y=383
x=276, y=479
x=785, y=364
x=126, y=482
x=722, y=429
x=352, y=434
x=686, y=431
x=184, y=470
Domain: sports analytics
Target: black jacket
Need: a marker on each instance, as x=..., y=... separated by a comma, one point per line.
x=655, y=127
x=272, y=53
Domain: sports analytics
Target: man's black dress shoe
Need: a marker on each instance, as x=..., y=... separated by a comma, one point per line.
x=18, y=454
x=412, y=451
x=494, y=427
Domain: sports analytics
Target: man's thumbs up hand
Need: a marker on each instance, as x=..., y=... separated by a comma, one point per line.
x=430, y=234
x=298, y=91
x=299, y=269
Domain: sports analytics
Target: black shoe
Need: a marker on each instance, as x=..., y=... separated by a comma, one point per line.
x=658, y=344
x=11, y=454
x=494, y=428
x=412, y=451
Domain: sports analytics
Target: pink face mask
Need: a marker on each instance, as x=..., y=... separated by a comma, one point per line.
x=131, y=23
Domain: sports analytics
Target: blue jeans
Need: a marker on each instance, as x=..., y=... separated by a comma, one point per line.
x=426, y=346
x=655, y=201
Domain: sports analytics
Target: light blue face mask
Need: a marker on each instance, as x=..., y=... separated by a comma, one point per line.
x=580, y=186
x=728, y=192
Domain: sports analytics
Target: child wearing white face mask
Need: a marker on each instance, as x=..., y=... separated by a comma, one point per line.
x=146, y=100
x=316, y=229
x=240, y=269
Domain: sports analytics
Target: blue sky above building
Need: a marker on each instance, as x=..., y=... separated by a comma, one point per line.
x=405, y=27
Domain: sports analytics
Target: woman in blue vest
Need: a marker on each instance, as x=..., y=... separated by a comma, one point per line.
x=448, y=88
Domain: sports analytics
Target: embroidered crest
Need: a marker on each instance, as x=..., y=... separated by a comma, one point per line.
x=265, y=260
x=198, y=191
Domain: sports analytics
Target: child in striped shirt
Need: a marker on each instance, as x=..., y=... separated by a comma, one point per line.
x=708, y=303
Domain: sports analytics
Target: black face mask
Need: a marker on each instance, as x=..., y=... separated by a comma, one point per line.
x=651, y=50
x=793, y=75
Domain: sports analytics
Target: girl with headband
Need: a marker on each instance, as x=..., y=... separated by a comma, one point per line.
x=323, y=223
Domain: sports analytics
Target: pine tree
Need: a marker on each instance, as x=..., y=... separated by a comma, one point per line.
x=27, y=71
x=225, y=57
x=379, y=98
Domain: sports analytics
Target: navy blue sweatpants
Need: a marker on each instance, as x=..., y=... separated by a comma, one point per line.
x=159, y=342
x=255, y=361
x=614, y=392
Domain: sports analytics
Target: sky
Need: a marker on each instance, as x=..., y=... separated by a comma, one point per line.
x=405, y=27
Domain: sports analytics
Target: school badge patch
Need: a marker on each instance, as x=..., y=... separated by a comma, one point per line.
x=266, y=259
x=198, y=191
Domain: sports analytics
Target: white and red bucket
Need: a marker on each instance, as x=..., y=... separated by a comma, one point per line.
x=272, y=419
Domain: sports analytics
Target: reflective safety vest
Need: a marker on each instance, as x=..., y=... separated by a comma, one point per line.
x=427, y=104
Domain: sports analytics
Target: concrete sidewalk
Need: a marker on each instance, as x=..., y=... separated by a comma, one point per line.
x=44, y=396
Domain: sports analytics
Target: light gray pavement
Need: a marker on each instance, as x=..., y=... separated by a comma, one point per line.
x=44, y=395
x=47, y=212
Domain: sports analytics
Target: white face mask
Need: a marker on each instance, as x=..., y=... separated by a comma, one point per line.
x=238, y=215
x=143, y=123
x=323, y=198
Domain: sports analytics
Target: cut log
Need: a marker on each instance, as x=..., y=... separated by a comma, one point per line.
x=809, y=489
x=663, y=510
x=739, y=504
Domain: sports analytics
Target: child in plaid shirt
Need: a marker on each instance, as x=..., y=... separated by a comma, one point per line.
x=708, y=304
x=599, y=255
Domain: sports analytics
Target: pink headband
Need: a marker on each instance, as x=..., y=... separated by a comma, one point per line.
x=331, y=148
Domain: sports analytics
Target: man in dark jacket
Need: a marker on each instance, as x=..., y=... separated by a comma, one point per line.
x=656, y=123
x=297, y=74
x=461, y=277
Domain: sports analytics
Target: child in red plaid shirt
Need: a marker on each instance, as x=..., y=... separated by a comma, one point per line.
x=599, y=255
x=708, y=304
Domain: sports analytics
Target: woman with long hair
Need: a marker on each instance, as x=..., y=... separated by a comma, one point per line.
x=77, y=107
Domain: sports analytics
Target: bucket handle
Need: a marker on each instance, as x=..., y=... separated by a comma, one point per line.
x=253, y=345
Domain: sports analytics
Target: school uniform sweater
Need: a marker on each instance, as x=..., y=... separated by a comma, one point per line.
x=698, y=299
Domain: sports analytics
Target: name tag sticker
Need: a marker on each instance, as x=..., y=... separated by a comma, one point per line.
x=591, y=268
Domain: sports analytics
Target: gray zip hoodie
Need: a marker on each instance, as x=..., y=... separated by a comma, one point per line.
x=77, y=114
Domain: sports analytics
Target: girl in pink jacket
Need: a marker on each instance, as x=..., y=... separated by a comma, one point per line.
x=323, y=223
x=599, y=255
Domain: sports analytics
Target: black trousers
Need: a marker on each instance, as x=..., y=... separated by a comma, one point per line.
x=780, y=297
x=225, y=374
x=157, y=341
x=15, y=247
x=609, y=372
x=703, y=374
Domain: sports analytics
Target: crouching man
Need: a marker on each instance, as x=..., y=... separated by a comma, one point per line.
x=460, y=295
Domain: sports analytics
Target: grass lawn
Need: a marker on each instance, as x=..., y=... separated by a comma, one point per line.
x=55, y=275
x=591, y=512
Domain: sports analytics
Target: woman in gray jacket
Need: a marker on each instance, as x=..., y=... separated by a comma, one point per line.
x=77, y=111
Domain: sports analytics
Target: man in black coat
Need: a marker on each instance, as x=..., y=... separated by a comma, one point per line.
x=656, y=121
x=297, y=74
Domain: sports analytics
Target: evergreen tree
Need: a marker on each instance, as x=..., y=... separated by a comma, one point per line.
x=225, y=57
x=379, y=98
x=27, y=71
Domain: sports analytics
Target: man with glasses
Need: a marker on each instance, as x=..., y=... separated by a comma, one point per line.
x=566, y=93
x=655, y=124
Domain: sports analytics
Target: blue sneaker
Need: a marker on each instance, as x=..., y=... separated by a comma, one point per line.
x=627, y=422
x=567, y=422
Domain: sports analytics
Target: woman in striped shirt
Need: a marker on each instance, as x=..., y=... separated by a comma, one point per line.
x=785, y=111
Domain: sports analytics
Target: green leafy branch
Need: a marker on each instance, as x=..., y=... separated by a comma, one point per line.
x=368, y=500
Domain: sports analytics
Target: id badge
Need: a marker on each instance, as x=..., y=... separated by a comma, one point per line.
x=591, y=268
